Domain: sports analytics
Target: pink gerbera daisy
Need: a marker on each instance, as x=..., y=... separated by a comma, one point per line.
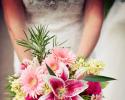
x=63, y=55
x=52, y=62
x=32, y=81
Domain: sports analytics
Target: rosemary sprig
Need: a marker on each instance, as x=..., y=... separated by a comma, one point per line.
x=37, y=41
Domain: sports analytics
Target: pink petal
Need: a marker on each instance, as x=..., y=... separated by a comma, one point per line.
x=80, y=74
x=31, y=98
x=74, y=98
x=56, y=84
x=52, y=62
x=64, y=55
x=77, y=98
x=96, y=97
x=25, y=64
x=67, y=98
x=93, y=88
x=74, y=87
x=49, y=96
x=63, y=71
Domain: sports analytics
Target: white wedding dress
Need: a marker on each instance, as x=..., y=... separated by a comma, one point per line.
x=63, y=18
x=111, y=49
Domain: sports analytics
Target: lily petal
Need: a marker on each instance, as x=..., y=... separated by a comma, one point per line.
x=49, y=96
x=63, y=71
x=68, y=98
x=80, y=73
x=77, y=98
x=74, y=87
x=56, y=84
x=74, y=98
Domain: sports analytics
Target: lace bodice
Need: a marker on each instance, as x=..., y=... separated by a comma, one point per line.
x=63, y=17
x=62, y=5
x=54, y=8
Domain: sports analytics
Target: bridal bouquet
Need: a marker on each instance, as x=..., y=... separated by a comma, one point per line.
x=55, y=73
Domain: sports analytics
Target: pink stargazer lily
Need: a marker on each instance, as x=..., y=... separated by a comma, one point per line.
x=64, y=88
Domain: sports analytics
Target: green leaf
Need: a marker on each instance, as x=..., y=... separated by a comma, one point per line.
x=98, y=78
x=86, y=97
x=50, y=70
x=104, y=84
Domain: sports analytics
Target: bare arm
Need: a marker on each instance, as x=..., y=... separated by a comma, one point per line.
x=15, y=19
x=93, y=19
